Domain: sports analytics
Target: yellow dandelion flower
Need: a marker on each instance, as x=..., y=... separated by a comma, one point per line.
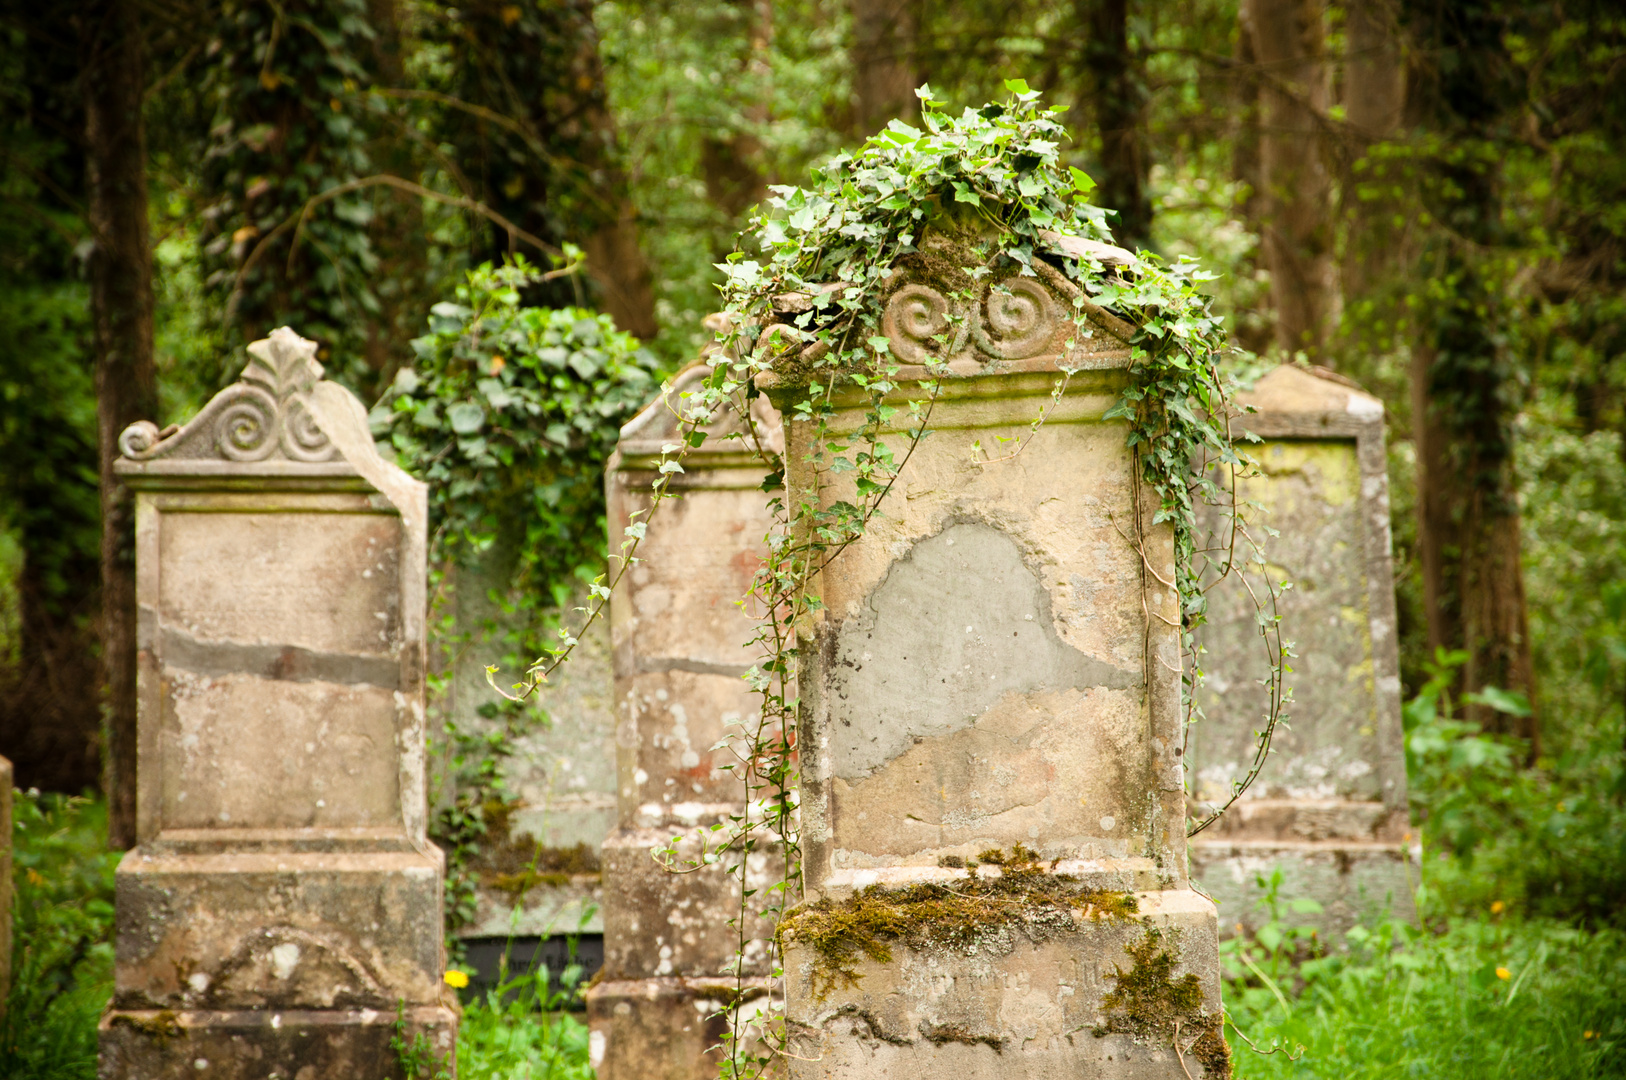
x=1497, y=908
x=1501, y=973
x=456, y=979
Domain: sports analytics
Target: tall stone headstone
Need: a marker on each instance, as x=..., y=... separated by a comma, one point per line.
x=679, y=639
x=994, y=668
x=1329, y=808
x=538, y=877
x=282, y=901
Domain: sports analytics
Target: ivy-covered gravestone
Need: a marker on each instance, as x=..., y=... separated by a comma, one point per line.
x=991, y=811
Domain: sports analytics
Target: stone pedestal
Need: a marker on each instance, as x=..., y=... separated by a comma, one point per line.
x=679, y=641
x=282, y=902
x=1329, y=809
x=994, y=668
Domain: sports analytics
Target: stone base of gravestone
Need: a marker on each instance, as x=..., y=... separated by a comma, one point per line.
x=1327, y=818
x=266, y=1044
x=1025, y=1001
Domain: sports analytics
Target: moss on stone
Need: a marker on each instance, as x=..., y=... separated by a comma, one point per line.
x=1148, y=1003
x=516, y=866
x=160, y=1027
x=943, y=915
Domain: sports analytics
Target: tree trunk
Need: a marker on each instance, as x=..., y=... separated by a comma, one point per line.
x=1374, y=97
x=885, y=36
x=1463, y=401
x=126, y=378
x=1295, y=185
x=1114, y=80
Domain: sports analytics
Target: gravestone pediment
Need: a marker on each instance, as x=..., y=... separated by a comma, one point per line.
x=662, y=422
x=941, y=314
x=265, y=416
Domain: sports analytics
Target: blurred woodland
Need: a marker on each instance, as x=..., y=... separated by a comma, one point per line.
x=1426, y=197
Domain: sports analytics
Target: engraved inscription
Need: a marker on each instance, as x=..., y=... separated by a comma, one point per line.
x=323, y=582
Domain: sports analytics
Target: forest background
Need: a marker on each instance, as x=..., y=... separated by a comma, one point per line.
x=1427, y=197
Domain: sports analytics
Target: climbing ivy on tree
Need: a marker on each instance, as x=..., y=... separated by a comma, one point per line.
x=288, y=127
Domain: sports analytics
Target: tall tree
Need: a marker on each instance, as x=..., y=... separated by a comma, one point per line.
x=1465, y=386
x=1115, y=87
x=286, y=241
x=1289, y=48
x=884, y=44
x=1374, y=87
x=732, y=155
x=536, y=137
x=121, y=306
x=50, y=682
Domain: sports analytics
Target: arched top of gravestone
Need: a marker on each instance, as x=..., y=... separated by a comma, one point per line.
x=661, y=424
x=1298, y=401
x=266, y=416
x=941, y=316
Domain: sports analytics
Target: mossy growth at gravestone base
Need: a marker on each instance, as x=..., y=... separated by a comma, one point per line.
x=283, y=907
x=990, y=698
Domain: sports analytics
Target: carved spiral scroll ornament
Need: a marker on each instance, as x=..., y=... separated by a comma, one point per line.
x=1018, y=320
x=246, y=428
x=301, y=438
x=914, y=315
x=138, y=438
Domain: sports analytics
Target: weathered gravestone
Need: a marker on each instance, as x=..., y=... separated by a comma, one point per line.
x=1329, y=808
x=679, y=637
x=538, y=876
x=993, y=668
x=282, y=901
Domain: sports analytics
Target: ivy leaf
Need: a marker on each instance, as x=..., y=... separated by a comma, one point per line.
x=963, y=193
x=1081, y=180
x=466, y=417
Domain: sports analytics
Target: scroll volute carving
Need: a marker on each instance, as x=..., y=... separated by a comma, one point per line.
x=262, y=416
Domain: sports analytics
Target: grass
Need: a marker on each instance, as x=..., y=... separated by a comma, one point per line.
x=1475, y=997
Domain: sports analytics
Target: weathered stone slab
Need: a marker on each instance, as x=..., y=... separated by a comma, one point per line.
x=680, y=638
x=1329, y=808
x=993, y=666
x=282, y=896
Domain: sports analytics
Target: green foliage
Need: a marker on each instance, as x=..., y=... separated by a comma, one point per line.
x=518, y=1030
x=62, y=928
x=286, y=129
x=508, y=414
x=1484, y=997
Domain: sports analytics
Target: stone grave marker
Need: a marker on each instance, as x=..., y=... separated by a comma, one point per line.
x=1329, y=809
x=679, y=641
x=562, y=769
x=282, y=901
x=993, y=668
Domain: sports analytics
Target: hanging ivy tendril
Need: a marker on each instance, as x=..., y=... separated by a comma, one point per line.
x=804, y=311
